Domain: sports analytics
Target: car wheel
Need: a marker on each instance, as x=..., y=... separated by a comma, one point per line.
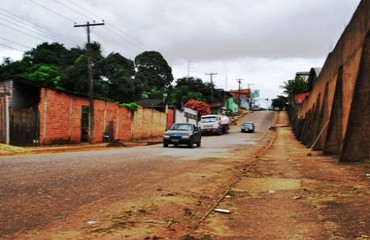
x=219, y=131
x=198, y=143
x=190, y=145
x=165, y=145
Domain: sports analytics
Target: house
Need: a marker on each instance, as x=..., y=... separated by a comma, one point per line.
x=242, y=95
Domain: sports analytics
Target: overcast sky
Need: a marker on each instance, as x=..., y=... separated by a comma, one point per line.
x=263, y=42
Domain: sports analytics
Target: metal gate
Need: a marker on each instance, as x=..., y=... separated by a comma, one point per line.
x=24, y=126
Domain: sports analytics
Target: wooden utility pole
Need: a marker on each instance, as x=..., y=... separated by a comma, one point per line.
x=211, y=76
x=239, y=82
x=90, y=80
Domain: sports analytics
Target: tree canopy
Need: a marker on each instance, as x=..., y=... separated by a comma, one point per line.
x=194, y=88
x=153, y=73
x=115, y=77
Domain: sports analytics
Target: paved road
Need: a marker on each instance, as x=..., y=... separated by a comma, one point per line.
x=40, y=188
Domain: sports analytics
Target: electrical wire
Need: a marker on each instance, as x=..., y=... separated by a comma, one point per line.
x=69, y=19
x=72, y=9
x=15, y=43
x=48, y=35
x=17, y=49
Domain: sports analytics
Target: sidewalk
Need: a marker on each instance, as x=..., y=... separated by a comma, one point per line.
x=287, y=194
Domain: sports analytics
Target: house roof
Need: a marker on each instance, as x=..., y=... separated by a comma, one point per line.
x=25, y=81
x=151, y=103
x=243, y=93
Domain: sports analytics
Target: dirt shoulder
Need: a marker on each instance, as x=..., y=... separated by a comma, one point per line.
x=289, y=194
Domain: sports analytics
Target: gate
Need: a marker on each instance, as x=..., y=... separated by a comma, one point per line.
x=24, y=126
x=2, y=119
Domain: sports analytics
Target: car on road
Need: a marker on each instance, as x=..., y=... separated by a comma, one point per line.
x=247, y=127
x=183, y=133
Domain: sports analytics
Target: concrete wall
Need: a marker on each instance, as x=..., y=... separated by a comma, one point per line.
x=338, y=107
x=186, y=116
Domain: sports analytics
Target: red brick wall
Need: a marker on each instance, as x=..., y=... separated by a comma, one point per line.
x=170, y=117
x=60, y=119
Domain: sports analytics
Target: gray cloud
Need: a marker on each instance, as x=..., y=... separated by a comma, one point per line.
x=208, y=33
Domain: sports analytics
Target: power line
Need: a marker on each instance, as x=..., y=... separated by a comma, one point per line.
x=4, y=45
x=15, y=42
x=72, y=9
x=29, y=24
x=22, y=32
x=69, y=19
x=75, y=4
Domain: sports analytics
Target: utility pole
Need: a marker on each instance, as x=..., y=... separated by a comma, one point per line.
x=239, y=82
x=211, y=76
x=90, y=80
x=251, y=97
x=188, y=70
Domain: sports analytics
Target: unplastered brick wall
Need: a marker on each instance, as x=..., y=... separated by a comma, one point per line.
x=61, y=113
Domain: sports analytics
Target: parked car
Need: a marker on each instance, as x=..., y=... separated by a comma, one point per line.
x=182, y=133
x=247, y=127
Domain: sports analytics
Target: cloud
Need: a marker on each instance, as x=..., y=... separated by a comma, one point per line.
x=264, y=41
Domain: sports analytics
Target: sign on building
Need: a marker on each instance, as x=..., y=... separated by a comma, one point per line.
x=256, y=93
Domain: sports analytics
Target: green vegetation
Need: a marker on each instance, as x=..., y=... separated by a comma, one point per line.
x=132, y=107
x=115, y=77
x=295, y=86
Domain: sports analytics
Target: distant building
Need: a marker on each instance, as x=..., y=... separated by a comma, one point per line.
x=242, y=95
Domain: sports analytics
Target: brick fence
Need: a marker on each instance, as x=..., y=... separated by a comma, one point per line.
x=61, y=114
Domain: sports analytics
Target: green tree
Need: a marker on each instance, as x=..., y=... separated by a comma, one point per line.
x=9, y=69
x=74, y=78
x=182, y=94
x=119, y=72
x=45, y=53
x=279, y=102
x=153, y=73
x=44, y=74
x=195, y=88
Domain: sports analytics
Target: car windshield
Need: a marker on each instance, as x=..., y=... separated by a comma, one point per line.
x=208, y=119
x=182, y=127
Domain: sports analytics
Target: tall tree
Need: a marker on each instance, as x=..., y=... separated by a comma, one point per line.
x=182, y=94
x=119, y=72
x=74, y=77
x=153, y=73
x=10, y=69
x=204, y=91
